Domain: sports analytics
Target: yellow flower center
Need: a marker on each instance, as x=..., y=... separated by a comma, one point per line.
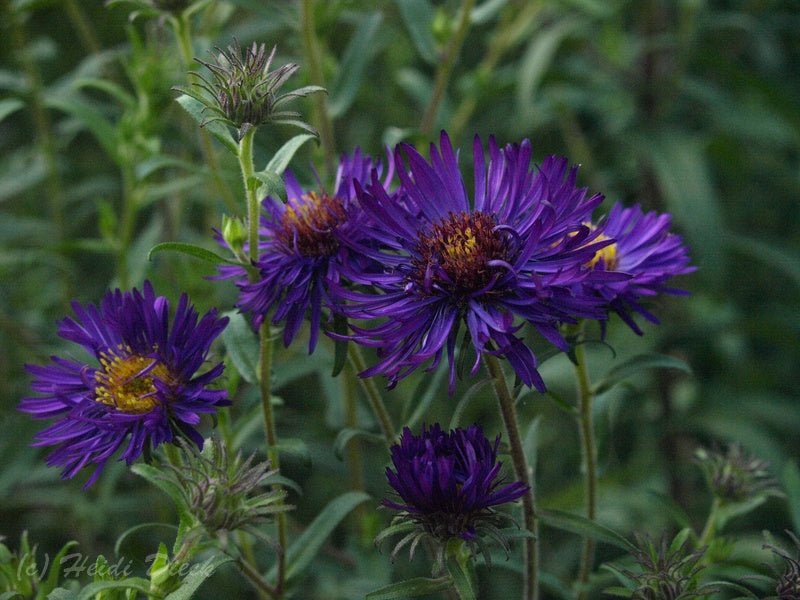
x=125, y=381
x=461, y=245
x=607, y=254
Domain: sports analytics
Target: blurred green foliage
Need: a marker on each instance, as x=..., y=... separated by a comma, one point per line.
x=687, y=106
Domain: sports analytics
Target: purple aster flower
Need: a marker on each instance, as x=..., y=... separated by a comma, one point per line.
x=449, y=483
x=513, y=255
x=301, y=251
x=645, y=250
x=140, y=391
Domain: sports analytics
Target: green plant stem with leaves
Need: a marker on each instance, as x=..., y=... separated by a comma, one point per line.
x=588, y=452
x=373, y=394
x=445, y=68
x=314, y=61
x=522, y=472
x=265, y=341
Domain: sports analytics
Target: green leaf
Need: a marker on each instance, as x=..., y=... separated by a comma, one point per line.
x=196, y=110
x=423, y=396
x=191, y=250
x=466, y=398
x=462, y=580
x=418, y=16
x=281, y=159
x=266, y=183
x=100, y=127
x=640, y=362
x=773, y=257
x=419, y=586
x=537, y=60
x=110, y=88
x=340, y=345
x=791, y=483
x=485, y=11
x=684, y=175
x=153, y=476
x=305, y=547
x=363, y=46
x=9, y=106
x=198, y=573
x=56, y=594
x=348, y=434
x=131, y=530
x=131, y=583
x=582, y=526
x=241, y=344
x=671, y=508
x=55, y=570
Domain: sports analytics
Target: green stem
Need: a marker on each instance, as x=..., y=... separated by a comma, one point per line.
x=589, y=457
x=710, y=529
x=248, y=171
x=312, y=52
x=265, y=383
x=130, y=206
x=264, y=348
x=373, y=394
x=83, y=27
x=522, y=472
x=256, y=580
x=445, y=68
x=354, y=458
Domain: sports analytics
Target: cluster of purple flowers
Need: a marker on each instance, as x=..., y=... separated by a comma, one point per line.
x=417, y=263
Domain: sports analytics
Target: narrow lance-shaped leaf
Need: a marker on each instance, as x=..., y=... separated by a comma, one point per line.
x=305, y=547
x=638, y=363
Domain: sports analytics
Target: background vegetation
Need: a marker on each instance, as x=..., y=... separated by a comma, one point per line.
x=687, y=106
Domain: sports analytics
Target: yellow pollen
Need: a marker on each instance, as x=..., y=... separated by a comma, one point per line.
x=121, y=382
x=462, y=244
x=608, y=254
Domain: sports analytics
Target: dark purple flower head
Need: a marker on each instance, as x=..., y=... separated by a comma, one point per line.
x=301, y=250
x=141, y=389
x=449, y=482
x=514, y=254
x=644, y=249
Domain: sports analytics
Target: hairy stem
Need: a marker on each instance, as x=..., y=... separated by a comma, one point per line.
x=522, y=472
x=373, y=394
x=589, y=457
x=246, y=165
x=445, y=68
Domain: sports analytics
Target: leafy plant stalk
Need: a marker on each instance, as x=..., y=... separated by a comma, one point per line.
x=522, y=472
x=589, y=457
x=314, y=60
x=265, y=342
x=445, y=68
